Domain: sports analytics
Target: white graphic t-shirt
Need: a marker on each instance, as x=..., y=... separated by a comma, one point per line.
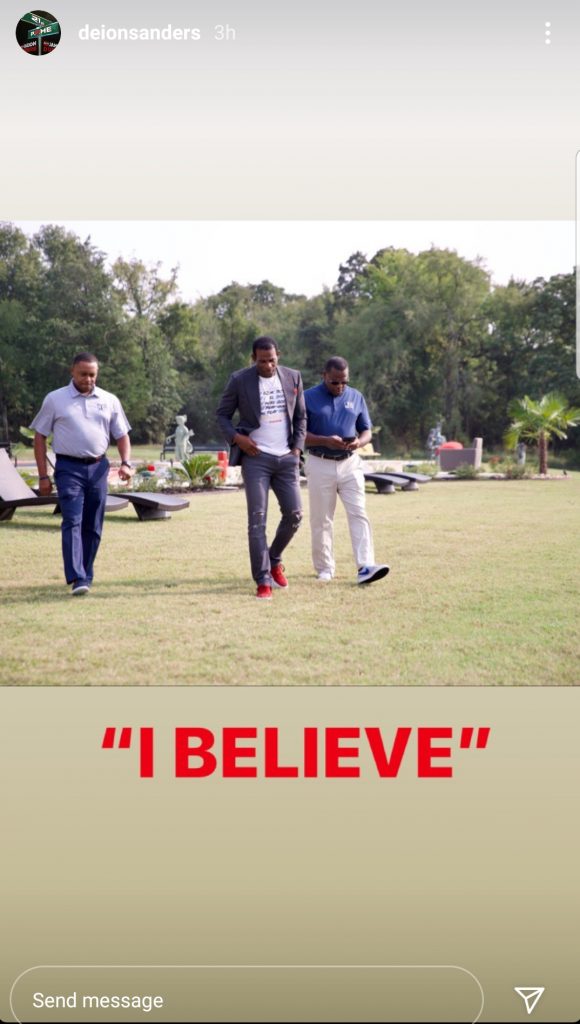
x=272, y=434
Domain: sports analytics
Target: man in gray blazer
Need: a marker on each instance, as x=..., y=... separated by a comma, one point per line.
x=267, y=441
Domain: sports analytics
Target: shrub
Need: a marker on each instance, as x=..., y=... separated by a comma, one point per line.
x=175, y=476
x=513, y=471
x=150, y=478
x=426, y=468
x=139, y=482
x=466, y=472
x=202, y=469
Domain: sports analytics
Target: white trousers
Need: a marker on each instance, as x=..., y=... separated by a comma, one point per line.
x=328, y=478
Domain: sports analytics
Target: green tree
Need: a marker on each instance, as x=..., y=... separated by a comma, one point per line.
x=314, y=336
x=551, y=355
x=530, y=346
x=192, y=343
x=20, y=267
x=414, y=338
x=504, y=356
x=538, y=422
x=57, y=299
x=453, y=292
x=143, y=296
x=14, y=332
x=352, y=283
x=232, y=309
x=78, y=304
x=20, y=277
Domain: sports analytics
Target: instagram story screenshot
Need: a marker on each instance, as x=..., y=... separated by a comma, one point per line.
x=289, y=512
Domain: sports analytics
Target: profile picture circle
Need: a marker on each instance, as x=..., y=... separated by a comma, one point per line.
x=38, y=33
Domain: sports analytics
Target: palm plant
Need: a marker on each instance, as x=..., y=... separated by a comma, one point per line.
x=538, y=422
x=202, y=468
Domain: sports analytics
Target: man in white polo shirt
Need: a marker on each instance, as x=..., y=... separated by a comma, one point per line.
x=82, y=418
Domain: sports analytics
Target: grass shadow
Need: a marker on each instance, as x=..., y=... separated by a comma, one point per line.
x=137, y=589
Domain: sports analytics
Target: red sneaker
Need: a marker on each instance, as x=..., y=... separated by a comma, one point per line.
x=264, y=592
x=278, y=578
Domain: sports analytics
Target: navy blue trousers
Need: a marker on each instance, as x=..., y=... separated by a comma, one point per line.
x=82, y=495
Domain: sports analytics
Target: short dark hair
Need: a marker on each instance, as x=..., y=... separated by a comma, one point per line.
x=335, y=363
x=85, y=357
x=264, y=342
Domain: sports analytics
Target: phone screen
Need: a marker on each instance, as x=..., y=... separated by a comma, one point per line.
x=277, y=747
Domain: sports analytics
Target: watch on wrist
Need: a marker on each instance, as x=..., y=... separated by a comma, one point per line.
x=125, y=463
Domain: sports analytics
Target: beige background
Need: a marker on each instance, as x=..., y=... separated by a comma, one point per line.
x=479, y=871
x=316, y=110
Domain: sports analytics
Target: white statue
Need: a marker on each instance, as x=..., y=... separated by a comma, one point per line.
x=435, y=439
x=183, y=446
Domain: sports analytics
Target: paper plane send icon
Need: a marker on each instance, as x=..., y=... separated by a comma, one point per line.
x=530, y=996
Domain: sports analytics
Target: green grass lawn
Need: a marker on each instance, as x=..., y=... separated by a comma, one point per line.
x=483, y=590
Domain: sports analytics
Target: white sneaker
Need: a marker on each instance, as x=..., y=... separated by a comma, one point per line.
x=369, y=573
x=324, y=577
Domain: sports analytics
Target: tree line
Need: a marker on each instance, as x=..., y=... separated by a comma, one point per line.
x=427, y=336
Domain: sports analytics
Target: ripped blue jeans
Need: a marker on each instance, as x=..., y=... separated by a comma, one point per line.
x=281, y=473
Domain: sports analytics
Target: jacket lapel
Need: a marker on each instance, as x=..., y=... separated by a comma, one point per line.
x=288, y=388
x=253, y=392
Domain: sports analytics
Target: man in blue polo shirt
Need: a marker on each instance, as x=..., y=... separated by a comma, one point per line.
x=338, y=423
x=82, y=418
